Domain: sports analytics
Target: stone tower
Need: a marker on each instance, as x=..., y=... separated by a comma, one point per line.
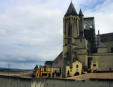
x=71, y=31
x=74, y=43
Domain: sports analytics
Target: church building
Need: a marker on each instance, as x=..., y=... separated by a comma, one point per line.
x=82, y=47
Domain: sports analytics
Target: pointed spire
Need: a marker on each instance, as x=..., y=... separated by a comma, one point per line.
x=36, y=67
x=80, y=13
x=71, y=10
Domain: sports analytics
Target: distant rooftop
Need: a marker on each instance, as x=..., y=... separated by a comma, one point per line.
x=106, y=37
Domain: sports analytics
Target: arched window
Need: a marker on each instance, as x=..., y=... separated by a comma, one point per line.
x=70, y=30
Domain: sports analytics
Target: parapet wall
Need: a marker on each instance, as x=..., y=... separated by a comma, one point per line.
x=25, y=82
x=72, y=83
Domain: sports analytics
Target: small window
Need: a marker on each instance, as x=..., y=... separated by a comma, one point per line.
x=94, y=64
x=76, y=66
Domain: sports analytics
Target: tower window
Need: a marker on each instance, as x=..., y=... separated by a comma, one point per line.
x=69, y=30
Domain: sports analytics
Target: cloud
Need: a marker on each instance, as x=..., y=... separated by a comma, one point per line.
x=28, y=32
x=32, y=31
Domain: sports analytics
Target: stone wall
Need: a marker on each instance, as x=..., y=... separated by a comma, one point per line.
x=6, y=81
x=72, y=83
x=104, y=60
x=26, y=82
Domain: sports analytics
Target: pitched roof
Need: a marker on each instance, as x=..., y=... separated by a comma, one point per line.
x=36, y=67
x=48, y=62
x=71, y=10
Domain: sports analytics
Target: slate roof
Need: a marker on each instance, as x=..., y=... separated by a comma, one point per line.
x=36, y=67
x=48, y=62
x=71, y=10
x=106, y=37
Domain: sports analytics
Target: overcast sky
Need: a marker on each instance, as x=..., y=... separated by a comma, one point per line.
x=31, y=30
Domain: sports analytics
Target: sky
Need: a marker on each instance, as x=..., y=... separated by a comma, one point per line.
x=31, y=31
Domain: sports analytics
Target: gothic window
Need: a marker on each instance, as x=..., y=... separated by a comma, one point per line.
x=69, y=30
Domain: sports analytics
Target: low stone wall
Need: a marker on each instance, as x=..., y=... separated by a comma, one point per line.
x=6, y=81
x=25, y=82
x=72, y=83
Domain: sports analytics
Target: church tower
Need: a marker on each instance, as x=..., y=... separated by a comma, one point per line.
x=74, y=43
x=71, y=31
